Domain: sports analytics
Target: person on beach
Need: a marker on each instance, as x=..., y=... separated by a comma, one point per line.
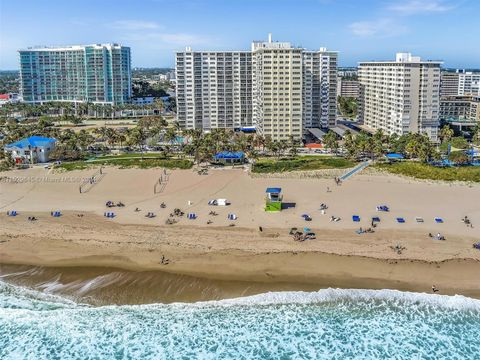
x=434, y=289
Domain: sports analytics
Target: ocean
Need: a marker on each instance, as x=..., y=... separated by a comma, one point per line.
x=327, y=324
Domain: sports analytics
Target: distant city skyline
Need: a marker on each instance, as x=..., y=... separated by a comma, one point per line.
x=444, y=30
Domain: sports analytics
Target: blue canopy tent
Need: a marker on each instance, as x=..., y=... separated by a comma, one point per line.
x=394, y=156
x=229, y=157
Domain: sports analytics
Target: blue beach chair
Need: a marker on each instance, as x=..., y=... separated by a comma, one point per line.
x=400, y=220
x=376, y=219
x=439, y=220
x=12, y=213
x=356, y=218
x=192, y=216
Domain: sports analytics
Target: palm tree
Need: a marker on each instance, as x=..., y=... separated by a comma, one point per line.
x=476, y=135
x=330, y=141
x=349, y=144
x=446, y=133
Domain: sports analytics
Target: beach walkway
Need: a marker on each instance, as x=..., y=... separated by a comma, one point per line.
x=355, y=170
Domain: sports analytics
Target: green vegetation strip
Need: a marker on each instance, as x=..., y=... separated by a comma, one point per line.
x=130, y=163
x=304, y=163
x=429, y=172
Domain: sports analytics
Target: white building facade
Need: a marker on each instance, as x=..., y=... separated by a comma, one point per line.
x=214, y=89
x=276, y=87
x=401, y=96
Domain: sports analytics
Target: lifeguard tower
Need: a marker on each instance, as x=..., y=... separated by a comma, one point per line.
x=273, y=200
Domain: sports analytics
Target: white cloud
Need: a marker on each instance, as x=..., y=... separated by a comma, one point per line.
x=133, y=25
x=413, y=7
x=384, y=27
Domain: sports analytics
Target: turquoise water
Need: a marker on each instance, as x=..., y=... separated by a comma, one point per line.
x=329, y=324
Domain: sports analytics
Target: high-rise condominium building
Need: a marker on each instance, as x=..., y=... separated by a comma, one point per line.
x=278, y=88
x=319, y=88
x=469, y=83
x=84, y=73
x=460, y=83
x=400, y=96
x=449, y=83
x=347, y=88
x=214, y=89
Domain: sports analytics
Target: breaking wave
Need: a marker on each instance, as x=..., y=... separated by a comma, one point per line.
x=330, y=323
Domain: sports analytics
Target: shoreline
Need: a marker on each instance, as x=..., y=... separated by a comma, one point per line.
x=241, y=259
x=245, y=262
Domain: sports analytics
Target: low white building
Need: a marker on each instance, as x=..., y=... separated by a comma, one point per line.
x=35, y=149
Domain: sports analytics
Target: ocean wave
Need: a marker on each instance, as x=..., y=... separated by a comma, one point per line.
x=22, y=295
x=330, y=323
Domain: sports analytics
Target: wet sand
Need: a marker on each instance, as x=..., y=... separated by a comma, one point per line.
x=211, y=263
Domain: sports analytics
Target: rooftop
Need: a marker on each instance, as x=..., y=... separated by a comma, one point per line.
x=70, y=47
x=32, y=141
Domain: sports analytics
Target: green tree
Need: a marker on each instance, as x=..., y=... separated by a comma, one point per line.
x=446, y=133
x=330, y=141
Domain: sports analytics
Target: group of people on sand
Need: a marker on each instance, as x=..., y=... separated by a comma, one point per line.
x=437, y=237
x=467, y=221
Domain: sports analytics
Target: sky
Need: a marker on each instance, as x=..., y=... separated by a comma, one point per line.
x=360, y=30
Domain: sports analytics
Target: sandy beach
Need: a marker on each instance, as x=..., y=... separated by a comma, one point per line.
x=242, y=258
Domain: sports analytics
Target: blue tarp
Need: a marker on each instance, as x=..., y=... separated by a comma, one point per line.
x=230, y=155
x=33, y=141
x=394, y=156
x=273, y=190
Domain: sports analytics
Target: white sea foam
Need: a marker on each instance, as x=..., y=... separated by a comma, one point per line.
x=330, y=323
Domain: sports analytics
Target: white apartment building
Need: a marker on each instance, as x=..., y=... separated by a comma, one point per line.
x=319, y=88
x=401, y=96
x=280, y=89
x=469, y=84
x=460, y=83
x=214, y=89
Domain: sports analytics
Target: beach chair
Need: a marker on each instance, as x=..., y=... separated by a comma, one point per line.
x=192, y=216
x=376, y=219
x=383, y=208
x=56, y=213
x=419, y=219
x=109, y=215
x=400, y=220
x=439, y=220
x=356, y=218
x=232, y=217
x=12, y=213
